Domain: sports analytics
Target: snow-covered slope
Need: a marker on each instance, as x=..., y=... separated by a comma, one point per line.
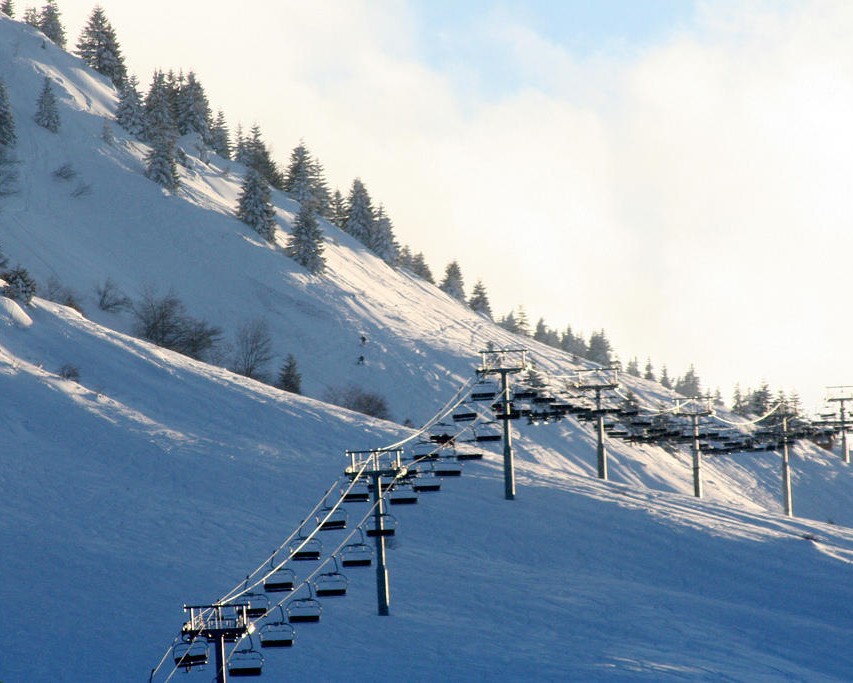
x=155, y=480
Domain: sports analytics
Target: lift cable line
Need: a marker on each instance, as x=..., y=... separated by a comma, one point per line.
x=268, y=601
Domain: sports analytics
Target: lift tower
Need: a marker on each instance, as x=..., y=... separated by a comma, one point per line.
x=840, y=395
x=598, y=380
x=505, y=362
x=700, y=407
x=217, y=624
x=379, y=465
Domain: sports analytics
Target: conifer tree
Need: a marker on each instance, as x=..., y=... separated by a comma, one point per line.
x=8, y=8
x=257, y=156
x=130, y=112
x=381, y=239
x=159, y=121
x=521, y=323
x=633, y=367
x=193, y=109
x=479, y=301
x=47, y=114
x=20, y=285
x=509, y=323
x=599, y=348
x=50, y=23
x=359, y=222
x=219, y=137
x=421, y=268
x=297, y=178
x=650, y=371
x=31, y=16
x=254, y=205
x=160, y=164
x=689, y=385
x=8, y=136
x=240, y=153
x=573, y=343
x=289, y=378
x=452, y=284
x=99, y=48
x=306, y=242
x=404, y=260
x=665, y=381
x=338, y=211
x=320, y=189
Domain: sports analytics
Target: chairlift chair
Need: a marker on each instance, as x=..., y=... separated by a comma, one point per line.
x=330, y=518
x=446, y=468
x=488, y=431
x=464, y=413
x=358, y=554
x=257, y=604
x=358, y=493
x=403, y=494
x=387, y=525
x=442, y=433
x=190, y=654
x=281, y=580
x=304, y=611
x=424, y=450
x=277, y=634
x=330, y=585
x=246, y=662
x=484, y=390
x=304, y=549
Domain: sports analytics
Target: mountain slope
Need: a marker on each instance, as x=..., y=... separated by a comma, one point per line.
x=155, y=480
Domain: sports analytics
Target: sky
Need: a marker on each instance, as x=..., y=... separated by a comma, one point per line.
x=675, y=173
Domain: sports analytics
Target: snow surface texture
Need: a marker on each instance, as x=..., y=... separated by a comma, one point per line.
x=155, y=480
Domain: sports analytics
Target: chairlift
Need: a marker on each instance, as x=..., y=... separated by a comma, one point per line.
x=424, y=450
x=304, y=549
x=523, y=393
x=190, y=654
x=387, y=525
x=304, y=611
x=330, y=518
x=403, y=494
x=281, y=580
x=446, y=468
x=330, y=585
x=277, y=634
x=245, y=662
x=357, y=493
x=464, y=413
x=426, y=484
x=442, y=432
x=257, y=604
x=358, y=554
x=484, y=390
x=488, y=431
x=469, y=455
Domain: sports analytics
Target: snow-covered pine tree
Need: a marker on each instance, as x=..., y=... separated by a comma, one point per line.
x=160, y=164
x=649, y=373
x=254, y=205
x=219, y=137
x=8, y=8
x=479, y=301
x=381, y=240
x=20, y=285
x=338, y=211
x=320, y=189
x=521, y=322
x=404, y=260
x=99, y=47
x=31, y=16
x=421, y=268
x=8, y=173
x=306, y=242
x=359, y=222
x=257, y=156
x=297, y=178
x=599, y=348
x=508, y=322
x=159, y=121
x=690, y=386
x=633, y=367
x=193, y=109
x=130, y=112
x=240, y=152
x=452, y=284
x=50, y=23
x=47, y=113
x=665, y=381
x=8, y=136
x=289, y=377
